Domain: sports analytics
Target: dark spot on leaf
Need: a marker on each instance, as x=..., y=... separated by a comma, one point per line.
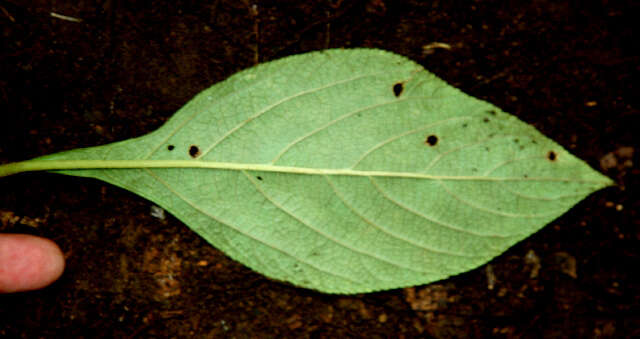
x=521, y=147
x=259, y=178
x=516, y=140
x=397, y=89
x=170, y=147
x=526, y=176
x=533, y=141
x=552, y=156
x=194, y=151
x=465, y=125
x=492, y=112
x=431, y=140
x=486, y=120
x=473, y=169
x=487, y=149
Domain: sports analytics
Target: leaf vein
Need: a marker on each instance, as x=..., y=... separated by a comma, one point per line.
x=512, y=160
x=491, y=211
x=387, y=231
x=177, y=129
x=336, y=120
x=228, y=224
x=280, y=102
x=434, y=221
x=530, y=197
x=440, y=156
x=323, y=234
x=395, y=137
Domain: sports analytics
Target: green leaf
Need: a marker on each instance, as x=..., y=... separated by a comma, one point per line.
x=344, y=171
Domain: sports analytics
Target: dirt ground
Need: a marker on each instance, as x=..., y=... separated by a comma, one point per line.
x=117, y=69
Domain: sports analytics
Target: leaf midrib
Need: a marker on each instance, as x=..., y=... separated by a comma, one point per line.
x=53, y=165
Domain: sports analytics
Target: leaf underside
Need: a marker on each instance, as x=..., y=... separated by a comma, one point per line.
x=457, y=181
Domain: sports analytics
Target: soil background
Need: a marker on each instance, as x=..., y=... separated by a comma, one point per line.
x=567, y=67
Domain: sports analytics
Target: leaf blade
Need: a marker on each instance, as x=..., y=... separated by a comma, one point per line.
x=352, y=179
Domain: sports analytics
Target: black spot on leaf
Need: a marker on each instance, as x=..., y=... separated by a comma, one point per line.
x=552, y=156
x=170, y=147
x=397, y=89
x=259, y=178
x=492, y=112
x=465, y=125
x=486, y=120
x=194, y=151
x=431, y=140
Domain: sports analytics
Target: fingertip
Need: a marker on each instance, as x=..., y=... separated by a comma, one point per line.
x=28, y=262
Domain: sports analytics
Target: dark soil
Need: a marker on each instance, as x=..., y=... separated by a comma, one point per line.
x=567, y=67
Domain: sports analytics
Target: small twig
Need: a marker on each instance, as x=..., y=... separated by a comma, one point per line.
x=253, y=10
x=4, y=10
x=64, y=17
x=429, y=48
x=255, y=14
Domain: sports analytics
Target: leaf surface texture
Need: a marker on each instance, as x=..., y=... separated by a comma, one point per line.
x=358, y=171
